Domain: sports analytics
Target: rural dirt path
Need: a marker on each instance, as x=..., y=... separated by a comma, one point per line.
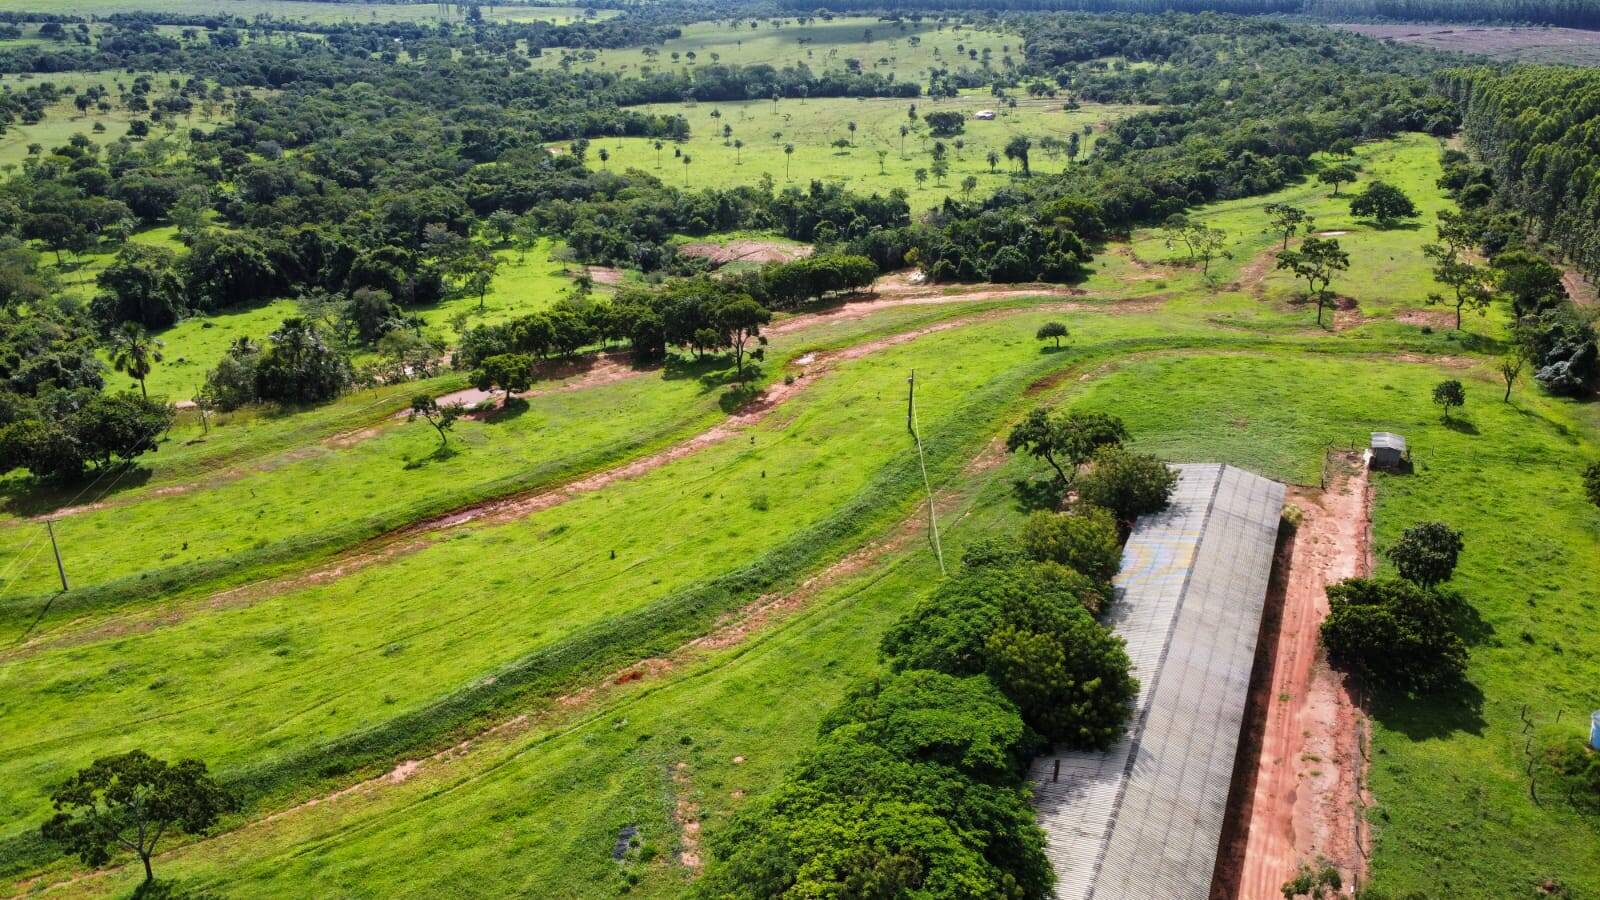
x=1298, y=785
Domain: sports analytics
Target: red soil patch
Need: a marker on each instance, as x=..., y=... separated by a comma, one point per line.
x=1439, y=320
x=575, y=374
x=745, y=250
x=604, y=274
x=1297, y=794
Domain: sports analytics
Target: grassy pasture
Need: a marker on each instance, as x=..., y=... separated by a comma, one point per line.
x=308, y=10
x=62, y=120
x=1388, y=272
x=812, y=126
x=248, y=681
x=543, y=806
x=390, y=653
x=905, y=51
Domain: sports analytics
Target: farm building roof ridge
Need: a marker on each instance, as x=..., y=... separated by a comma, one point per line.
x=1145, y=818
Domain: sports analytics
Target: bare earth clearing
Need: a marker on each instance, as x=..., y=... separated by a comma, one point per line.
x=1570, y=46
x=746, y=250
x=1297, y=791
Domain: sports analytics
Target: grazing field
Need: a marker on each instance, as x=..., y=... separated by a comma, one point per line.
x=311, y=11
x=903, y=51
x=62, y=120
x=876, y=158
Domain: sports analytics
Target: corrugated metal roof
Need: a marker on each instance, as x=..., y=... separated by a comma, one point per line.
x=1388, y=440
x=1144, y=819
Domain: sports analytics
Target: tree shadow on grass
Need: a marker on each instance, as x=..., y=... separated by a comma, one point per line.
x=1461, y=426
x=507, y=411
x=1036, y=492
x=712, y=372
x=1437, y=714
x=28, y=497
x=441, y=453
x=737, y=397
x=1048, y=350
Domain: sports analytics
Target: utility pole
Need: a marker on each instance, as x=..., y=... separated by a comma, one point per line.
x=61, y=570
x=911, y=425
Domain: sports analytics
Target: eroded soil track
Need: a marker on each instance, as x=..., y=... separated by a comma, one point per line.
x=1297, y=795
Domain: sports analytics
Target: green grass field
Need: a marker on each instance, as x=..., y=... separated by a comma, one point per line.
x=812, y=126
x=905, y=51
x=296, y=691
x=62, y=120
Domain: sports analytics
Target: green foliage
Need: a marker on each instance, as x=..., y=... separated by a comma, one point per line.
x=130, y=801
x=927, y=716
x=1065, y=441
x=1317, y=882
x=1128, y=484
x=1052, y=331
x=1591, y=482
x=1383, y=202
x=1085, y=541
x=1426, y=553
x=1318, y=261
x=1448, y=395
x=1402, y=635
x=509, y=372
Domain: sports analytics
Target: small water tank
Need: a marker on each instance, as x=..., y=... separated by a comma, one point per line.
x=1594, y=731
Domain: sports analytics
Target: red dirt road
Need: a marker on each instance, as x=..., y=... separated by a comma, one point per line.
x=1297, y=787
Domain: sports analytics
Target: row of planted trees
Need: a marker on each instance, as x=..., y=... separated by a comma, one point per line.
x=916, y=785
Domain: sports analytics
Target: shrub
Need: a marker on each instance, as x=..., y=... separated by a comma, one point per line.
x=1399, y=633
x=1128, y=484
x=1086, y=541
x=1426, y=553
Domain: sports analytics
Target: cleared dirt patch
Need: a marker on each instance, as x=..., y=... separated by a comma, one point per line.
x=1297, y=791
x=1569, y=46
x=1582, y=292
x=1439, y=320
x=747, y=250
x=604, y=275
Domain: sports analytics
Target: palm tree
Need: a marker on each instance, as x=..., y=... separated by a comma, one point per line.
x=686, y=161
x=658, y=146
x=738, y=156
x=135, y=352
x=604, y=155
x=994, y=159
x=788, y=154
x=904, y=130
x=852, y=127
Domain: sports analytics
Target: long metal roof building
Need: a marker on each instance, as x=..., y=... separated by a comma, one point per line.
x=1144, y=819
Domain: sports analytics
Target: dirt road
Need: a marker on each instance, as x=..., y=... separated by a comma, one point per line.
x=1298, y=782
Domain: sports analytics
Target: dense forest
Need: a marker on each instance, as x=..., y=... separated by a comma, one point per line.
x=1567, y=13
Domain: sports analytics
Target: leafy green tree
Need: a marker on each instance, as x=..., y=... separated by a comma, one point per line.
x=909, y=714
x=1017, y=149
x=442, y=418
x=503, y=224
x=135, y=353
x=1532, y=283
x=1472, y=286
x=740, y=319
x=1029, y=627
x=1067, y=441
x=1317, y=262
x=1287, y=220
x=1448, y=395
x=1052, y=330
x=1384, y=203
x=1591, y=482
x=476, y=269
x=1128, y=484
x=131, y=801
x=299, y=365
x=140, y=285
x=1426, y=553
x=509, y=372
x=993, y=159
x=1335, y=175
x=1398, y=633
x=1085, y=540
x=1510, y=367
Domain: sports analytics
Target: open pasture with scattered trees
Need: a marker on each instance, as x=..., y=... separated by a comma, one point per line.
x=501, y=448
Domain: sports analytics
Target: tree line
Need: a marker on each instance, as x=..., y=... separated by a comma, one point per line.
x=916, y=785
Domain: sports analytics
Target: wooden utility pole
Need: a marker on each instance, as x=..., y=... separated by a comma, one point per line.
x=61, y=570
x=927, y=486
